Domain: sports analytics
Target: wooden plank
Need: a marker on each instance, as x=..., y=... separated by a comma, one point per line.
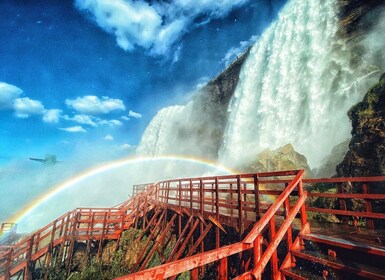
x=343, y=243
x=354, y=268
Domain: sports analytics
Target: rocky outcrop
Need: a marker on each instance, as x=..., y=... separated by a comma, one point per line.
x=366, y=155
x=283, y=158
x=354, y=20
x=328, y=165
x=209, y=111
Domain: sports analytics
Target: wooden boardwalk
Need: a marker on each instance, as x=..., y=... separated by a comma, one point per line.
x=267, y=211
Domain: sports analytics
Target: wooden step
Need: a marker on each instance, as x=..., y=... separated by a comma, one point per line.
x=346, y=244
x=348, y=266
x=300, y=274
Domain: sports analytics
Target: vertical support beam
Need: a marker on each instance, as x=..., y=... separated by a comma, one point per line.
x=303, y=209
x=256, y=198
x=231, y=200
x=102, y=235
x=48, y=256
x=222, y=270
x=65, y=225
x=212, y=197
x=180, y=208
x=289, y=233
x=201, y=207
x=274, y=258
x=257, y=249
x=240, y=206
x=29, y=267
x=368, y=207
x=72, y=242
x=144, y=213
x=245, y=198
x=217, y=230
x=342, y=203
x=194, y=274
x=191, y=196
x=7, y=273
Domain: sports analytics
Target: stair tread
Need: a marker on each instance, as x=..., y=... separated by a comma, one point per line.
x=344, y=243
x=300, y=274
x=349, y=266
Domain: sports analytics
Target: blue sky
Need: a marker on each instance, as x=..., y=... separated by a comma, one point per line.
x=90, y=74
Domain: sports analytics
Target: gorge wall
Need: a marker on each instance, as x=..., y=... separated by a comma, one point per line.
x=294, y=86
x=366, y=155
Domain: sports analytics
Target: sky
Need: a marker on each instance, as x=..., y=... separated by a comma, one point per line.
x=82, y=79
x=76, y=75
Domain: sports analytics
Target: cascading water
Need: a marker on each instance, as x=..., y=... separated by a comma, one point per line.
x=157, y=138
x=296, y=87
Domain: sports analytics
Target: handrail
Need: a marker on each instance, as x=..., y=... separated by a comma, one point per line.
x=218, y=195
x=260, y=266
x=198, y=260
x=273, y=209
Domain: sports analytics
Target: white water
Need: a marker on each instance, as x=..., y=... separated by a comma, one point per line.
x=295, y=87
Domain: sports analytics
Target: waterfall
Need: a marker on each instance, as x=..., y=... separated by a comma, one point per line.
x=157, y=139
x=295, y=87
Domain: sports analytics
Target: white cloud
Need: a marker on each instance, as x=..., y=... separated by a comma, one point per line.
x=73, y=129
x=125, y=118
x=8, y=93
x=24, y=107
x=91, y=104
x=52, y=116
x=233, y=53
x=126, y=147
x=108, y=137
x=82, y=119
x=134, y=114
x=110, y=122
x=155, y=26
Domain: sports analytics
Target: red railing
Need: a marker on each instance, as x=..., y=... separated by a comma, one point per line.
x=259, y=200
x=253, y=240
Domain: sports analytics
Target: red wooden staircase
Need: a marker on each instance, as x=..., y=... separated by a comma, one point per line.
x=245, y=226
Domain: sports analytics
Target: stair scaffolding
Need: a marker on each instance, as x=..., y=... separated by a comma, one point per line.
x=267, y=211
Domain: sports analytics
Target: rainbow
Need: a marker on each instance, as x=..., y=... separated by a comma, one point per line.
x=73, y=181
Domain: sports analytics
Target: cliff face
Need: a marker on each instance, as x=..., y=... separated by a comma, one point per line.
x=353, y=17
x=209, y=107
x=366, y=155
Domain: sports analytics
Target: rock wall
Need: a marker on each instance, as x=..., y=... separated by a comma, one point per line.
x=283, y=158
x=366, y=155
x=353, y=17
x=210, y=107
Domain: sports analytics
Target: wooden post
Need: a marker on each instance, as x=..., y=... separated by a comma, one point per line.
x=289, y=234
x=274, y=258
x=222, y=269
x=342, y=203
x=368, y=207
x=256, y=197
x=257, y=249
x=240, y=206
x=72, y=242
x=29, y=267
x=7, y=272
x=303, y=209
x=201, y=206
x=217, y=230
x=194, y=274
x=180, y=208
